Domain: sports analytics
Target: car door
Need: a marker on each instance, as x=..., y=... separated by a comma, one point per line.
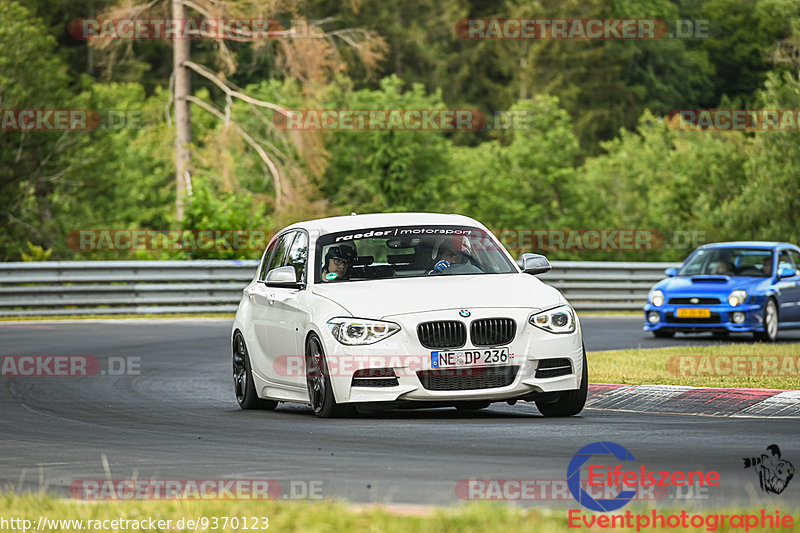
x=289, y=318
x=262, y=299
x=789, y=297
x=788, y=289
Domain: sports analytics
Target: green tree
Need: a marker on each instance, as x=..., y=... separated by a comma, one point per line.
x=662, y=179
x=387, y=170
x=768, y=202
x=526, y=184
x=32, y=76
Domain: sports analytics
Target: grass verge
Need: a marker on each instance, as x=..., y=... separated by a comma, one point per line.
x=757, y=365
x=324, y=516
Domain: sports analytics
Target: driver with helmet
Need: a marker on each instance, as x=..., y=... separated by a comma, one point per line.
x=453, y=252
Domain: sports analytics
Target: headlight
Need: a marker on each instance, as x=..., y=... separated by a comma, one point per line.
x=354, y=331
x=657, y=298
x=558, y=320
x=737, y=297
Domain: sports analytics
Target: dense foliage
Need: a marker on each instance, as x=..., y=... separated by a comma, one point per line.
x=591, y=145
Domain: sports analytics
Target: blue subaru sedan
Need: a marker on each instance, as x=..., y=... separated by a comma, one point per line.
x=729, y=287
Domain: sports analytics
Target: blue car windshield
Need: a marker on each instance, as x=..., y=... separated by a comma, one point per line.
x=747, y=262
x=407, y=252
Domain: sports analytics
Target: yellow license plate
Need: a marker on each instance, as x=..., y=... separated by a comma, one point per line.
x=694, y=312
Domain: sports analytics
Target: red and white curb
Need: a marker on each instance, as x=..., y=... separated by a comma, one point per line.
x=707, y=401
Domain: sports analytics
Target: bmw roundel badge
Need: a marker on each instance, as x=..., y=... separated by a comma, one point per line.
x=464, y=313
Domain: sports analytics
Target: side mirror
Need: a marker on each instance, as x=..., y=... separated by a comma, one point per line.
x=671, y=272
x=282, y=277
x=786, y=272
x=535, y=264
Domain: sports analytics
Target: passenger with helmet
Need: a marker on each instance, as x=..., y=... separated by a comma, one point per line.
x=338, y=261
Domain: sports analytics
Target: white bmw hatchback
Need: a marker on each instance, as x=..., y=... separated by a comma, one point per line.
x=403, y=310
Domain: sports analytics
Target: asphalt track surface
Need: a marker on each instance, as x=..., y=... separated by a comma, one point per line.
x=175, y=417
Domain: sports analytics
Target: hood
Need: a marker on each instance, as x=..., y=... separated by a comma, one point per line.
x=383, y=298
x=707, y=285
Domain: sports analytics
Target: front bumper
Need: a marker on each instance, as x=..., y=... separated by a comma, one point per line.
x=721, y=318
x=409, y=360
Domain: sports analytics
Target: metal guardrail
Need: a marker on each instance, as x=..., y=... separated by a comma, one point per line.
x=139, y=287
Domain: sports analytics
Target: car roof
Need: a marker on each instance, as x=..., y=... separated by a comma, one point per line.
x=377, y=220
x=764, y=245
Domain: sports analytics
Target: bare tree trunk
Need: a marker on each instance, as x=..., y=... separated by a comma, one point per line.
x=182, y=118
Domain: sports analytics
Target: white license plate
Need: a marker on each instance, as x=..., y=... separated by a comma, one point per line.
x=474, y=357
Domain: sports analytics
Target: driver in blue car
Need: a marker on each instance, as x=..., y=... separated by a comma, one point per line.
x=767, y=266
x=338, y=261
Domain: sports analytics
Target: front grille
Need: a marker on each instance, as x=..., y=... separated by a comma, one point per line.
x=552, y=368
x=375, y=377
x=450, y=379
x=713, y=319
x=688, y=301
x=442, y=334
x=492, y=331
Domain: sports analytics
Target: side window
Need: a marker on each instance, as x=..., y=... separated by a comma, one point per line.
x=784, y=261
x=298, y=254
x=276, y=260
x=796, y=257
x=262, y=274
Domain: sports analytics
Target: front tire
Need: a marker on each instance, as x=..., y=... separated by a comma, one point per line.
x=320, y=391
x=570, y=402
x=243, y=384
x=770, y=322
x=663, y=333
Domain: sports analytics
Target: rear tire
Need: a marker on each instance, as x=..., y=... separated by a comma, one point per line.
x=570, y=402
x=320, y=391
x=770, y=321
x=243, y=384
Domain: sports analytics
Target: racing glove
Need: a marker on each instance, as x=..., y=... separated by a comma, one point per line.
x=439, y=267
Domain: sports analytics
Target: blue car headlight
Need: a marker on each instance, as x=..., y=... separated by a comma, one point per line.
x=656, y=298
x=737, y=297
x=560, y=319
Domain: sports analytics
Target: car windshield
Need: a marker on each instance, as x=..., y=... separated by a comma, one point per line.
x=728, y=262
x=408, y=252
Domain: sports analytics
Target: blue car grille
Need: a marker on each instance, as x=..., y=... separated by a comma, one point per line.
x=688, y=301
